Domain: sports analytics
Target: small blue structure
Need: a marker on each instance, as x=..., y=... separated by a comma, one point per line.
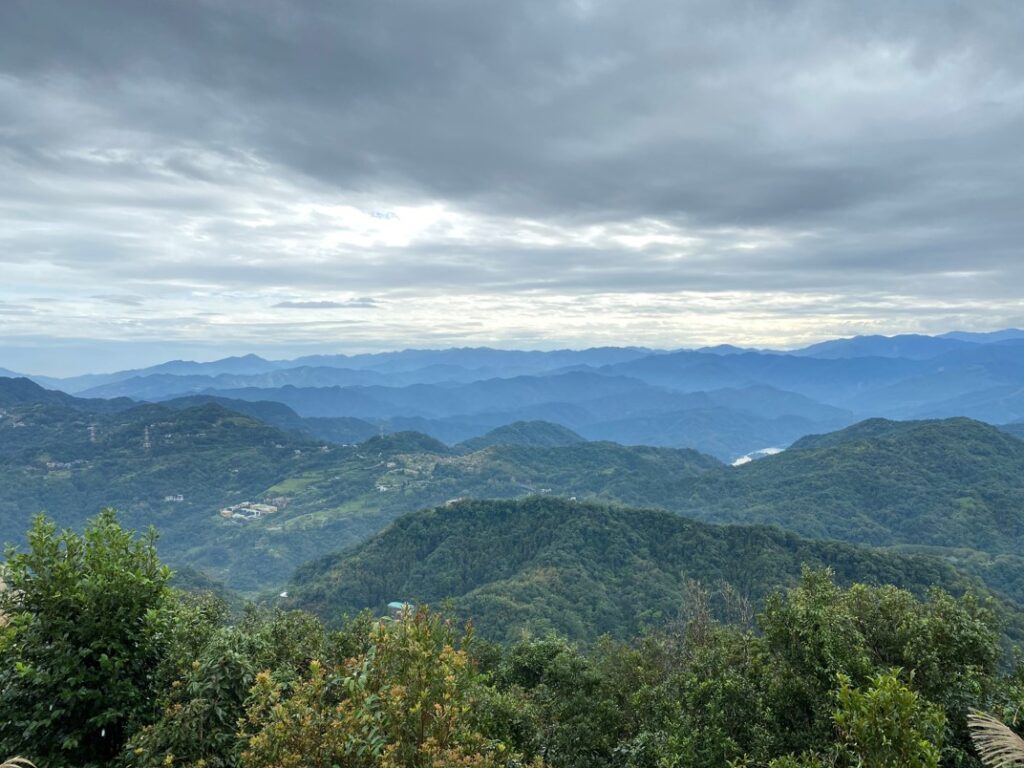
x=396, y=608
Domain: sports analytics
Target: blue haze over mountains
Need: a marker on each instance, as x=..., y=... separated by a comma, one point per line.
x=725, y=401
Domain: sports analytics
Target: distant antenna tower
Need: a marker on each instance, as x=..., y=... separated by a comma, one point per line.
x=146, y=442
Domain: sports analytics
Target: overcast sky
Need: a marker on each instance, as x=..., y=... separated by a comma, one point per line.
x=205, y=178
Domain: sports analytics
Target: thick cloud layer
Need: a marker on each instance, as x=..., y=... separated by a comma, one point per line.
x=245, y=175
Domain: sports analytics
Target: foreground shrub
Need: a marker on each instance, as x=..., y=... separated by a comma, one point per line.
x=407, y=702
x=82, y=643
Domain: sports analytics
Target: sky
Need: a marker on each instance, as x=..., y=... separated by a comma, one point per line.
x=185, y=178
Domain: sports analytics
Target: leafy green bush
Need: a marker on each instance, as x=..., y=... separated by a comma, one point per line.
x=83, y=642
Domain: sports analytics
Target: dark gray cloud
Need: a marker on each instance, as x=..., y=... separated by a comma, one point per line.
x=224, y=156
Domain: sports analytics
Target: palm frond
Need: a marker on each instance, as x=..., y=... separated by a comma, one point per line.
x=17, y=762
x=997, y=745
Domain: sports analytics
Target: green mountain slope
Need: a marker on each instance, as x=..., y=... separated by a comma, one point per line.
x=528, y=433
x=954, y=487
x=359, y=491
x=339, y=429
x=20, y=391
x=954, y=483
x=69, y=462
x=579, y=569
x=1016, y=429
x=171, y=469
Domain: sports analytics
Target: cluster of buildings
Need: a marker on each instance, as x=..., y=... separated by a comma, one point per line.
x=15, y=421
x=248, y=510
x=397, y=609
x=58, y=465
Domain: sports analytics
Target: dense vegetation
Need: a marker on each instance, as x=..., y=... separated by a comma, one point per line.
x=70, y=462
x=171, y=469
x=102, y=664
x=580, y=570
x=529, y=433
x=955, y=483
x=952, y=488
x=1016, y=429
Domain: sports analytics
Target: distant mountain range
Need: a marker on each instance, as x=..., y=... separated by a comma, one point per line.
x=530, y=527
x=726, y=400
x=511, y=482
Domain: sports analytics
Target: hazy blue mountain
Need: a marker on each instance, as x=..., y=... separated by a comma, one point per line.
x=726, y=423
x=865, y=385
x=761, y=401
x=685, y=371
x=435, y=400
x=162, y=385
x=996, y=405
x=269, y=412
x=335, y=430
x=985, y=338
x=512, y=362
x=449, y=430
x=525, y=433
x=458, y=428
x=1002, y=359
x=155, y=386
x=721, y=432
x=921, y=393
x=395, y=368
x=726, y=349
x=244, y=364
x=911, y=346
x=319, y=401
x=829, y=381
x=22, y=391
x=346, y=430
x=770, y=402
x=724, y=400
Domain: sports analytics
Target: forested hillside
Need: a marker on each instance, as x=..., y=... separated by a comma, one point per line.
x=954, y=483
x=539, y=434
x=177, y=467
x=954, y=488
x=1016, y=429
x=169, y=469
x=358, y=491
x=270, y=689
x=580, y=570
